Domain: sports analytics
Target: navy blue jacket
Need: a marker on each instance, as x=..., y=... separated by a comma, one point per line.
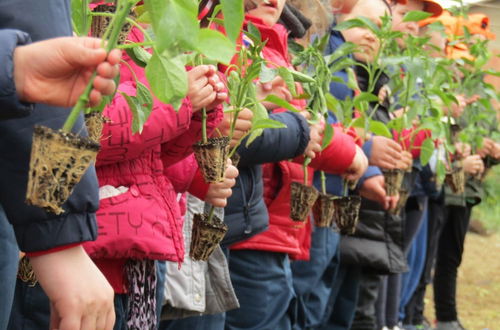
x=246, y=212
x=37, y=230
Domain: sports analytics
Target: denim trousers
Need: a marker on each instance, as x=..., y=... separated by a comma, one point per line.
x=9, y=258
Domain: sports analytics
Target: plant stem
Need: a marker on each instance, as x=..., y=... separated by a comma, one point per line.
x=211, y=214
x=306, y=173
x=113, y=32
x=345, y=188
x=323, y=182
x=204, y=125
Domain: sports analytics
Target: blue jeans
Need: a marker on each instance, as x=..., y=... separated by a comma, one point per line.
x=343, y=299
x=205, y=322
x=31, y=309
x=9, y=258
x=263, y=284
x=313, y=280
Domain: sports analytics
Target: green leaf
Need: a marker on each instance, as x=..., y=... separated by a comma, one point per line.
x=216, y=46
x=168, y=79
x=253, y=33
x=233, y=18
x=327, y=136
x=426, y=151
x=288, y=78
x=379, y=128
x=139, y=55
x=268, y=123
x=80, y=16
x=302, y=77
x=267, y=74
x=175, y=23
x=364, y=97
x=359, y=22
x=416, y=16
x=138, y=116
x=280, y=102
x=352, y=82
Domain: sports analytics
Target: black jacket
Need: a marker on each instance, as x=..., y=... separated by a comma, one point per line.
x=246, y=213
x=35, y=229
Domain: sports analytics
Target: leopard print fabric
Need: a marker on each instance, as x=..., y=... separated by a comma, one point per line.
x=141, y=275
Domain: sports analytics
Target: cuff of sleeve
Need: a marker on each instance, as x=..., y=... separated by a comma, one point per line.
x=367, y=148
x=56, y=249
x=370, y=173
x=199, y=187
x=12, y=107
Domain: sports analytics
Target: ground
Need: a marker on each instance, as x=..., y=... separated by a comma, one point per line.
x=478, y=284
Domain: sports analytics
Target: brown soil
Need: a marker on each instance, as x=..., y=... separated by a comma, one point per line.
x=478, y=284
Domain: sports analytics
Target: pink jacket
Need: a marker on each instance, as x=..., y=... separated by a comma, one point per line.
x=145, y=222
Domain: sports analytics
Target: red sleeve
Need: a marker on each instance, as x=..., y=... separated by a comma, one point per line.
x=182, y=146
x=413, y=142
x=164, y=124
x=199, y=187
x=56, y=249
x=338, y=156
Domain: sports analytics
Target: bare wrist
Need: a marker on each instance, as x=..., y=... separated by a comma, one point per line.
x=19, y=72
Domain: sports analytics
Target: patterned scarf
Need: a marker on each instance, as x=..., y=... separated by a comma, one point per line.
x=141, y=275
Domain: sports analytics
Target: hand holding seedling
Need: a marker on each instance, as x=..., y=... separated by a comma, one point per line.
x=463, y=150
x=316, y=139
x=386, y=153
x=205, y=89
x=358, y=166
x=275, y=87
x=80, y=296
x=495, y=153
x=218, y=193
x=406, y=161
x=473, y=164
x=241, y=126
x=487, y=148
x=57, y=71
x=374, y=189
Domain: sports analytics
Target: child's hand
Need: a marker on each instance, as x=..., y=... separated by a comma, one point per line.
x=495, y=152
x=205, y=88
x=80, y=296
x=386, y=153
x=218, y=193
x=374, y=189
x=241, y=128
x=316, y=139
x=473, y=165
x=358, y=166
x=463, y=150
x=406, y=161
x=487, y=148
x=275, y=87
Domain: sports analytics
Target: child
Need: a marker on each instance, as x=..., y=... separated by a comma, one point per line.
x=260, y=266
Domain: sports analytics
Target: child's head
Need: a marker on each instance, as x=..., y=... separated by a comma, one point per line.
x=400, y=10
x=367, y=42
x=267, y=10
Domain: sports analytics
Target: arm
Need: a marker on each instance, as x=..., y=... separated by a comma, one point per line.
x=118, y=143
x=11, y=105
x=275, y=145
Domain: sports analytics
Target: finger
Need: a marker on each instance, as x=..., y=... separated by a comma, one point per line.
x=231, y=172
x=110, y=320
x=245, y=114
x=243, y=125
x=266, y=87
x=105, y=86
x=101, y=321
x=70, y=323
x=199, y=71
x=89, y=322
x=221, y=97
x=198, y=83
x=106, y=70
x=218, y=202
x=278, y=81
x=83, y=54
x=114, y=57
x=95, y=98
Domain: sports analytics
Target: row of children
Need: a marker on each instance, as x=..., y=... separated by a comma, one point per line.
x=271, y=272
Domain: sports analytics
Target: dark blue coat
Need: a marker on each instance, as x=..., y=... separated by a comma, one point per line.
x=37, y=230
x=246, y=213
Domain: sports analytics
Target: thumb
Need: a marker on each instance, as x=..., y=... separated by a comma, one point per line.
x=82, y=52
